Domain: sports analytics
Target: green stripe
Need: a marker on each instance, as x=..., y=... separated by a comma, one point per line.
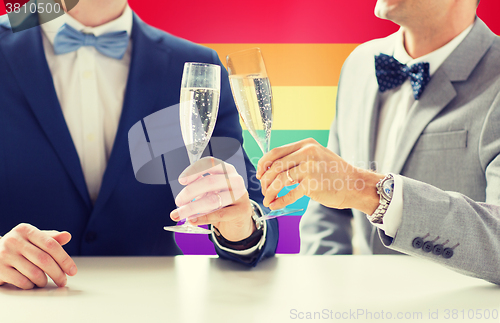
x=280, y=138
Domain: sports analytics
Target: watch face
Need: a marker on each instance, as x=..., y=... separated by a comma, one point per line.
x=388, y=188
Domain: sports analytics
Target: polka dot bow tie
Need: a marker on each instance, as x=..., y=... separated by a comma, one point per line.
x=391, y=73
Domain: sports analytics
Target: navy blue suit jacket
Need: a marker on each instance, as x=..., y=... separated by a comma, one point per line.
x=41, y=180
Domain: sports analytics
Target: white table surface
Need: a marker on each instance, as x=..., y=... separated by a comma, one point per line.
x=282, y=289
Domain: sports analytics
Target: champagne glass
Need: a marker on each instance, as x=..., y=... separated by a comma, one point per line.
x=199, y=105
x=254, y=100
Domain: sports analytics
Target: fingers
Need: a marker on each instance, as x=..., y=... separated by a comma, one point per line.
x=30, y=271
x=212, y=183
x=14, y=277
x=226, y=214
x=296, y=160
x=55, y=257
x=281, y=180
x=210, y=202
x=205, y=165
x=290, y=198
x=278, y=153
x=46, y=263
x=61, y=237
x=222, y=187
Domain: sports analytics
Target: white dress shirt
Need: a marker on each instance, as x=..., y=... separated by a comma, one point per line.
x=91, y=88
x=395, y=104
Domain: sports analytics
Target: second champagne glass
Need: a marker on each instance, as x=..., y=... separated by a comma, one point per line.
x=254, y=100
x=199, y=105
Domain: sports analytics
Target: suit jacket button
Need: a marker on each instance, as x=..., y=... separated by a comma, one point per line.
x=417, y=243
x=428, y=246
x=90, y=237
x=447, y=253
x=438, y=249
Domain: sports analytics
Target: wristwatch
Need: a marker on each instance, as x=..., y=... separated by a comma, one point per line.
x=385, y=189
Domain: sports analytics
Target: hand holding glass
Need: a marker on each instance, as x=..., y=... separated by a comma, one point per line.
x=199, y=105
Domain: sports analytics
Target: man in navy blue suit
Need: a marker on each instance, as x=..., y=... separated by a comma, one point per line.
x=65, y=111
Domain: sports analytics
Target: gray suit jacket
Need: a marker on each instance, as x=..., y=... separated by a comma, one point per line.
x=448, y=153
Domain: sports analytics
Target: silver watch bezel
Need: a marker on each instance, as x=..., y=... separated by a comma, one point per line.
x=378, y=216
x=380, y=187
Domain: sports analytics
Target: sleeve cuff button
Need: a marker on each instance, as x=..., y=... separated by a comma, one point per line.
x=447, y=253
x=418, y=243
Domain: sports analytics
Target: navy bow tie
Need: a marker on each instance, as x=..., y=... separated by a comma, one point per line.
x=391, y=73
x=112, y=44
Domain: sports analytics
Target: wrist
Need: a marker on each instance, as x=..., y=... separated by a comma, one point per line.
x=368, y=199
x=247, y=231
x=245, y=241
x=239, y=230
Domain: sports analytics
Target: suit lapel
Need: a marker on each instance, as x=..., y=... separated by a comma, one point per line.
x=440, y=90
x=146, y=81
x=25, y=54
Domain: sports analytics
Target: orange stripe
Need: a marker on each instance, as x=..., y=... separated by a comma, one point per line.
x=297, y=64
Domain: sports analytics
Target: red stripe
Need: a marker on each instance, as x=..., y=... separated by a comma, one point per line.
x=267, y=21
x=276, y=21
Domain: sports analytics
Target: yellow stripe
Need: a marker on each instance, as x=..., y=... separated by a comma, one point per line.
x=303, y=107
x=297, y=64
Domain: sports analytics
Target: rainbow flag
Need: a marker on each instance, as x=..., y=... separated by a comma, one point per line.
x=304, y=44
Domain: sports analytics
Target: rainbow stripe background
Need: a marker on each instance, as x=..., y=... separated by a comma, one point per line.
x=304, y=44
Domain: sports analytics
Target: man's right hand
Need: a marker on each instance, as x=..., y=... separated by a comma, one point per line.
x=28, y=255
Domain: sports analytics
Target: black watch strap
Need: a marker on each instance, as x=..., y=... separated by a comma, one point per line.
x=244, y=244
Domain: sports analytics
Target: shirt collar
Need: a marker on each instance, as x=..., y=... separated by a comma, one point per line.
x=435, y=58
x=124, y=22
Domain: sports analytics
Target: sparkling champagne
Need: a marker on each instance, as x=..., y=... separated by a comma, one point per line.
x=253, y=98
x=198, y=113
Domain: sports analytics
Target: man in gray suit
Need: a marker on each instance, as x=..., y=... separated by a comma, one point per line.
x=422, y=109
